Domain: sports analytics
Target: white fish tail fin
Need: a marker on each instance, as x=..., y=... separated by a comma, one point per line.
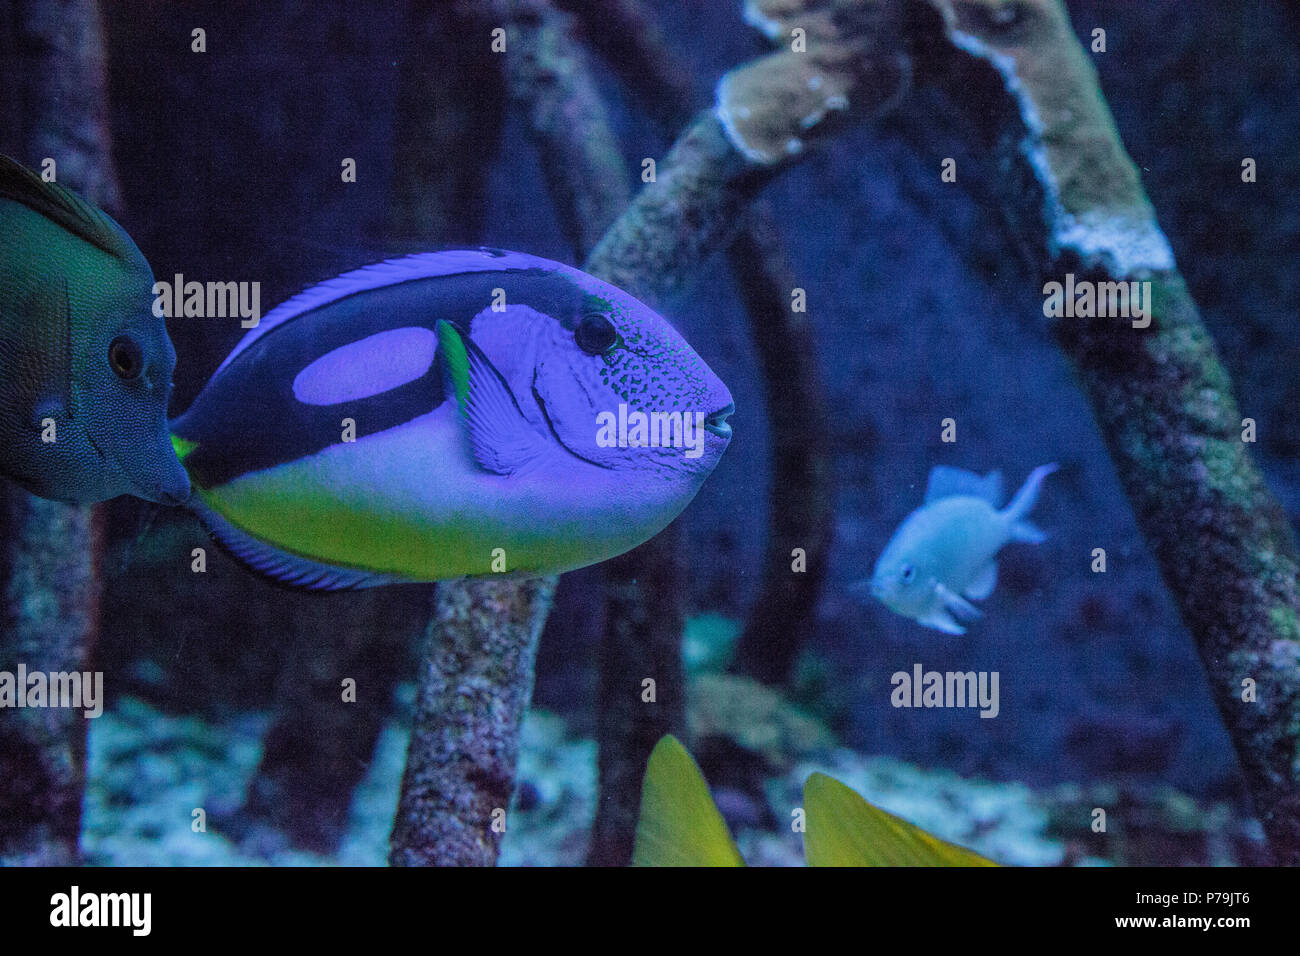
x=1028, y=532
x=1023, y=503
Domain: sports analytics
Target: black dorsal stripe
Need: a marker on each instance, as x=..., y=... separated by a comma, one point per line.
x=247, y=418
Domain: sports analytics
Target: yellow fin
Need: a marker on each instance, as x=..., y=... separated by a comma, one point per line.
x=842, y=829
x=182, y=446
x=680, y=824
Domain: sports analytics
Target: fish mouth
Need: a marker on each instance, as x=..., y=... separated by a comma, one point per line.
x=717, y=422
x=159, y=495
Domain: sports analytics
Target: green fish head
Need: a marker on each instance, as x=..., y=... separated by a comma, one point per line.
x=121, y=389
x=88, y=365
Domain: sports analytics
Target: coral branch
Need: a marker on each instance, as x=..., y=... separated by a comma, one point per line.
x=57, y=91
x=447, y=798
x=1161, y=396
x=644, y=618
x=630, y=41
x=49, y=562
x=323, y=731
x=449, y=118
x=548, y=79
x=695, y=206
x=51, y=613
x=801, y=510
x=476, y=678
x=782, y=616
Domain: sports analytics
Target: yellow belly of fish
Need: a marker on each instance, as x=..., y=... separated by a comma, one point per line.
x=387, y=504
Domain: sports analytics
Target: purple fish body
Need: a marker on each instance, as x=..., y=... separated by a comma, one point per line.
x=446, y=415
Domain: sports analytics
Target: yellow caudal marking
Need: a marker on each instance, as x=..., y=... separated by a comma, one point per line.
x=182, y=446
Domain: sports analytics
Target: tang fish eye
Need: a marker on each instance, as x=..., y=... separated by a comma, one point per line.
x=125, y=357
x=909, y=572
x=595, y=334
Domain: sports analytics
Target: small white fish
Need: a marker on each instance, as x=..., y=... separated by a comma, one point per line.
x=944, y=555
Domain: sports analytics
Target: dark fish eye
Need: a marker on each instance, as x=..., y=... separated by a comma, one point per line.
x=125, y=357
x=909, y=572
x=595, y=334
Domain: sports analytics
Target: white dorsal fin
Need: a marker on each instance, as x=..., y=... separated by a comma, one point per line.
x=946, y=482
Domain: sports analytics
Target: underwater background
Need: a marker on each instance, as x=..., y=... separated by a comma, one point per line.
x=222, y=689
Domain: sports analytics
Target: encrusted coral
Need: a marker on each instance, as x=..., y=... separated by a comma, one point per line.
x=755, y=717
x=829, y=67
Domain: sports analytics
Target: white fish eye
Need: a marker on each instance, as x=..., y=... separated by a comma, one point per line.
x=909, y=572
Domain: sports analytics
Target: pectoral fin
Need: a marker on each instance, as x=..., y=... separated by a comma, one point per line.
x=985, y=580
x=941, y=620
x=957, y=605
x=1028, y=533
x=501, y=438
x=50, y=382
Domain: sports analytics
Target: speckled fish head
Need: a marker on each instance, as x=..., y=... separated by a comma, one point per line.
x=903, y=579
x=620, y=387
x=84, y=388
x=124, y=362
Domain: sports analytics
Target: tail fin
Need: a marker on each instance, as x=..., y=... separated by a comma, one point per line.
x=1018, y=510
